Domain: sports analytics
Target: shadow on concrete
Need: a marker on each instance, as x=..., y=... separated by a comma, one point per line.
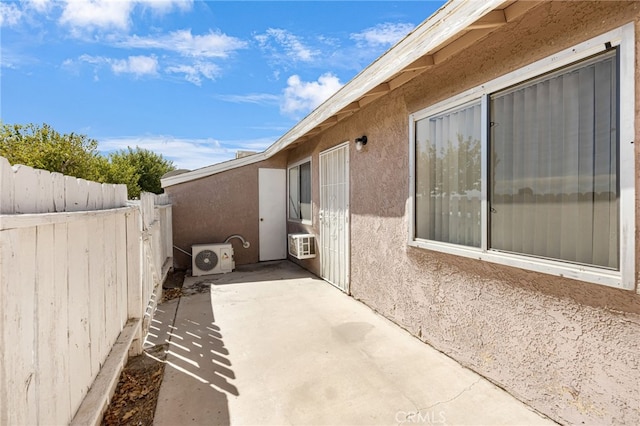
x=200, y=353
x=198, y=377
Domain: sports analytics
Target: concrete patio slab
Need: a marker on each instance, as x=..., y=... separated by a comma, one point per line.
x=272, y=344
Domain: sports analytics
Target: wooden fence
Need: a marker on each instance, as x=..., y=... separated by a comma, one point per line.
x=79, y=265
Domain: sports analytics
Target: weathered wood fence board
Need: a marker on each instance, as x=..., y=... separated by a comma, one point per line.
x=60, y=309
x=27, y=190
x=78, y=312
x=77, y=261
x=18, y=305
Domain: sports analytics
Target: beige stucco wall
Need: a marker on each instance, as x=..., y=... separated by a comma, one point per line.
x=210, y=209
x=570, y=349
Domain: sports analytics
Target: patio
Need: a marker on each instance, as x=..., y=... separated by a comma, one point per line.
x=272, y=344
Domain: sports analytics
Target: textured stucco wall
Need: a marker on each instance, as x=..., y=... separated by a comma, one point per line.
x=210, y=209
x=570, y=349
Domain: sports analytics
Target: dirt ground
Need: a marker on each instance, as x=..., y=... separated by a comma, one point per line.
x=134, y=401
x=135, y=398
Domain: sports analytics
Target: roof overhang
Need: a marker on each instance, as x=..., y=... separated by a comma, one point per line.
x=454, y=27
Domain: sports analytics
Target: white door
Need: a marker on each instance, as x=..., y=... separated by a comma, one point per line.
x=272, y=199
x=334, y=216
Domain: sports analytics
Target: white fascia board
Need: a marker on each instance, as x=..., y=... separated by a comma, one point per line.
x=213, y=169
x=454, y=17
x=451, y=19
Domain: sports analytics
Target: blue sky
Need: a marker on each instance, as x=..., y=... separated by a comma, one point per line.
x=193, y=80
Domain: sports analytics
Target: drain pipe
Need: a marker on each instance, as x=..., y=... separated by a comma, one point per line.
x=245, y=244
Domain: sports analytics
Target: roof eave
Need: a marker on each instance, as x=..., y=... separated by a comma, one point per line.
x=453, y=27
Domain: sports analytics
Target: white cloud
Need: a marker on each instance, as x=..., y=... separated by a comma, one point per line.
x=186, y=153
x=136, y=65
x=385, y=34
x=95, y=60
x=146, y=66
x=294, y=49
x=196, y=72
x=110, y=14
x=10, y=14
x=257, y=145
x=302, y=97
x=97, y=13
x=251, y=98
x=211, y=45
x=166, y=6
x=10, y=58
x=41, y=6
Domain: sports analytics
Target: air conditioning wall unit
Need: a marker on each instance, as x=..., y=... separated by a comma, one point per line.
x=302, y=246
x=211, y=259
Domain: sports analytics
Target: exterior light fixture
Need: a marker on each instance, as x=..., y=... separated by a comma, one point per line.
x=360, y=142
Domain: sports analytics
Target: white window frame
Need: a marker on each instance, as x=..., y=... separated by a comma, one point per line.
x=289, y=167
x=624, y=39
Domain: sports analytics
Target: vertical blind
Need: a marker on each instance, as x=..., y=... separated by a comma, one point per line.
x=448, y=173
x=305, y=191
x=294, y=193
x=553, y=165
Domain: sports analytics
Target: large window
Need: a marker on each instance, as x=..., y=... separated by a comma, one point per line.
x=531, y=171
x=553, y=165
x=300, y=192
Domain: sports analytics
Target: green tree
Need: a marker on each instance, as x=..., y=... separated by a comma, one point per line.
x=76, y=155
x=119, y=171
x=148, y=165
x=44, y=148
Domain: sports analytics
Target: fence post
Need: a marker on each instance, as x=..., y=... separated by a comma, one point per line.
x=135, y=304
x=26, y=184
x=6, y=187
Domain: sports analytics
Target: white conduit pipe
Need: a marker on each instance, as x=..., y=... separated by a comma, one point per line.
x=245, y=244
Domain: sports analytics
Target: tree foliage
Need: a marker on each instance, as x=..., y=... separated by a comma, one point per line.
x=77, y=155
x=148, y=165
x=44, y=148
x=109, y=171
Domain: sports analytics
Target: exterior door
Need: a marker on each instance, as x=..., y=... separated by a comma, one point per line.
x=334, y=216
x=272, y=199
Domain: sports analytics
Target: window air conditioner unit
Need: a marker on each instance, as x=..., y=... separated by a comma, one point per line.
x=211, y=259
x=302, y=246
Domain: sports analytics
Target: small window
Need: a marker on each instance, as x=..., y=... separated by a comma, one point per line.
x=300, y=192
x=448, y=176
